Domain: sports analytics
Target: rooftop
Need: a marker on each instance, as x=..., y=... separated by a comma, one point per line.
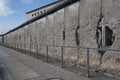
x=43, y=6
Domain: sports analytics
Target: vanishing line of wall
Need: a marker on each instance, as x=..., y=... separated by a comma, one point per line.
x=87, y=23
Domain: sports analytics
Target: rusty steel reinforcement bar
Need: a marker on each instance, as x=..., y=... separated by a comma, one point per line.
x=61, y=5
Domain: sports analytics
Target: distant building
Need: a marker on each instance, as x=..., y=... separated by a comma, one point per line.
x=41, y=10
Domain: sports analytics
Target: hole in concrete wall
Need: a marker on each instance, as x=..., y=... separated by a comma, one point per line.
x=109, y=38
x=63, y=35
x=77, y=35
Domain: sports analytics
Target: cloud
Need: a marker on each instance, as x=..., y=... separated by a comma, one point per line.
x=26, y=1
x=5, y=9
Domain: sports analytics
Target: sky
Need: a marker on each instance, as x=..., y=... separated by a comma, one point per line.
x=13, y=12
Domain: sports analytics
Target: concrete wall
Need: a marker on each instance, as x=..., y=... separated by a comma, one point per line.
x=79, y=24
x=1, y=39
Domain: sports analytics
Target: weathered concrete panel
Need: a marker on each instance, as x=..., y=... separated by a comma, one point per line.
x=71, y=23
x=89, y=17
x=50, y=29
x=58, y=27
x=111, y=12
x=71, y=28
x=90, y=23
x=58, y=32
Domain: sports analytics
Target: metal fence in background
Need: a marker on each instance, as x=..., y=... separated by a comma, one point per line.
x=22, y=46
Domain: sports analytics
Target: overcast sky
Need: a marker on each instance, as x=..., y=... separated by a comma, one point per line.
x=13, y=12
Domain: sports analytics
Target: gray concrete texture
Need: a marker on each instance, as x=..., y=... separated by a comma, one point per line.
x=51, y=30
